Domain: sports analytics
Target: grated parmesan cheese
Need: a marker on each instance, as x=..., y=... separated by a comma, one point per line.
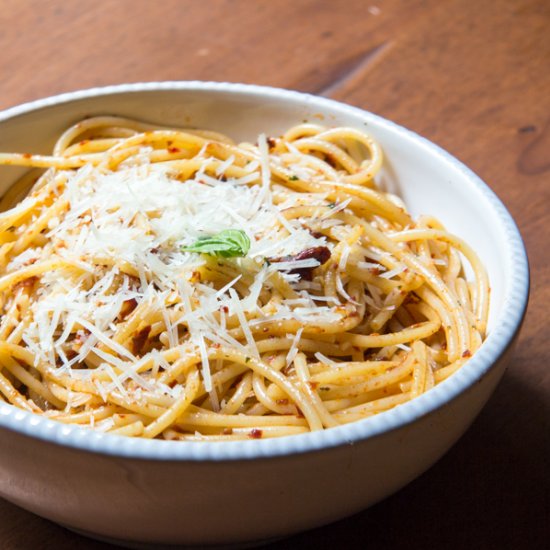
x=293, y=351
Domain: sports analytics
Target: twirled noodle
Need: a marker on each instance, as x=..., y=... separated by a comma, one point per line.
x=337, y=306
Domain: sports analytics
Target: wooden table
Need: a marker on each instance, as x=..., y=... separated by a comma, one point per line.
x=472, y=76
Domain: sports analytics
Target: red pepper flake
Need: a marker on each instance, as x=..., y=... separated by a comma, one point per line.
x=467, y=353
x=315, y=234
x=174, y=149
x=26, y=283
x=255, y=434
x=313, y=385
x=127, y=307
x=138, y=341
x=225, y=309
x=27, y=155
x=71, y=354
x=227, y=431
x=82, y=335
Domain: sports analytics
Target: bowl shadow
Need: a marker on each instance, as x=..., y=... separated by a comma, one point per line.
x=491, y=490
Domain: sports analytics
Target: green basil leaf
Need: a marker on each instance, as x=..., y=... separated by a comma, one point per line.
x=230, y=243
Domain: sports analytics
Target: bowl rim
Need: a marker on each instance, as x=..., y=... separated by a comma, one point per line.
x=495, y=345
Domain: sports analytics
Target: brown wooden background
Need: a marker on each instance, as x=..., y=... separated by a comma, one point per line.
x=473, y=76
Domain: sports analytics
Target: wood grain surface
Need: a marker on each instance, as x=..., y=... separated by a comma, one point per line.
x=473, y=76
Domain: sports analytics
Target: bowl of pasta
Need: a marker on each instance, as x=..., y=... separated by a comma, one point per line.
x=230, y=313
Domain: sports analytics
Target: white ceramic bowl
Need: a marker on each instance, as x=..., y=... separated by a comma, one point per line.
x=169, y=493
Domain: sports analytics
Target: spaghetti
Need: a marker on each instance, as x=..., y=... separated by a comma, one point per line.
x=172, y=284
